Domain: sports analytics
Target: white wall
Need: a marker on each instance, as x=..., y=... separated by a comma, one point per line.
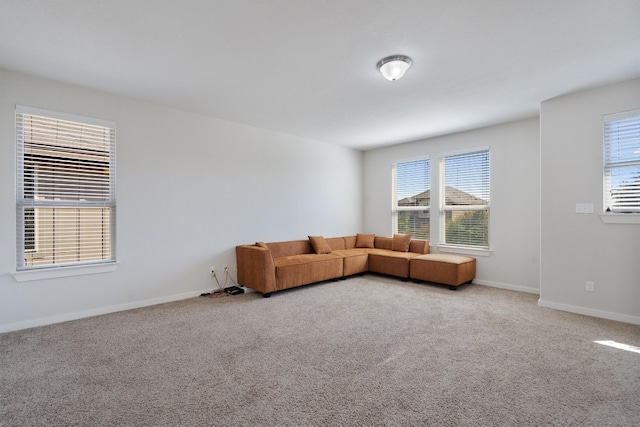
x=514, y=217
x=189, y=189
x=576, y=248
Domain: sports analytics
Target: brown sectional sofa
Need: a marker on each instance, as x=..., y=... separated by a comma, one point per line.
x=271, y=267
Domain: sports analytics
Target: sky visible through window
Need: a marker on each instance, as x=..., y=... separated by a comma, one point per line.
x=624, y=148
x=468, y=173
x=413, y=178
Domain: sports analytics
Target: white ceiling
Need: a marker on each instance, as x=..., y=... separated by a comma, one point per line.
x=307, y=67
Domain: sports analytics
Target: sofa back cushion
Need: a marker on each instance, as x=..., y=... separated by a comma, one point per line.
x=349, y=242
x=382, y=242
x=419, y=246
x=365, y=240
x=299, y=247
x=292, y=247
x=416, y=246
x=336, y=243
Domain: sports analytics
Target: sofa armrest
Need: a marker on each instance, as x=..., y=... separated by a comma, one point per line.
x=256, y=269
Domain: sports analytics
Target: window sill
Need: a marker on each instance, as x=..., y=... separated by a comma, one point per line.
x=57, y=272
x=464, y=250
x=629, y=218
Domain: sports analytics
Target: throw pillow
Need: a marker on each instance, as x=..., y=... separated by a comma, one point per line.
x=320, y=245
x=262, y=245
x=400, y=242
x=365, y=240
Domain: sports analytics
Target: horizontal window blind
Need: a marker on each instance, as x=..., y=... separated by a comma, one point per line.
x=467, y=179
x=622, y=162
x=413, y=198
x=413, y=183
x=65, y=191
x=465, y=204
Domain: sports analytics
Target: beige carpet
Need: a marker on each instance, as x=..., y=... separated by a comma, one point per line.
x=367, y=351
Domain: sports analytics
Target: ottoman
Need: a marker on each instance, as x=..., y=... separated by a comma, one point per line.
x=452, y=270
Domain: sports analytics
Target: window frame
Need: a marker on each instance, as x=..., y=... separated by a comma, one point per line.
x=396, y=208
x=610, y=164
x=445, y=246
x=62, y=269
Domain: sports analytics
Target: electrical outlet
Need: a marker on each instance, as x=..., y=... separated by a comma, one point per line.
x=591, y=286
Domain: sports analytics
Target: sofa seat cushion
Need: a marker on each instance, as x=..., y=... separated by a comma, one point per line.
x=388, y=262
x=356, y=261
x=446, y=258
x=390, y=253
x=449, y=269
x=287, y=261
x=345, y=253
x=296, y=270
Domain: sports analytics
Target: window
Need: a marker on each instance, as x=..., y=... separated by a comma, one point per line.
x=412, y=198
x=622, y=162
x=65, y=198
x=464, y=192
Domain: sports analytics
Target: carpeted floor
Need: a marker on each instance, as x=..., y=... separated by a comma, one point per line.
x=367, y=351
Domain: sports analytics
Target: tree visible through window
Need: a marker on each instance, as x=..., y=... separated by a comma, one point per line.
x=66, y=190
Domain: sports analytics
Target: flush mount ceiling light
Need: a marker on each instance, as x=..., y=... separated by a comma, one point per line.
x=394, y=67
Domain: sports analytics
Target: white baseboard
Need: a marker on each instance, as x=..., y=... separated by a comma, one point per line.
x=635, y=320
x=96, y=312
x=507, y=286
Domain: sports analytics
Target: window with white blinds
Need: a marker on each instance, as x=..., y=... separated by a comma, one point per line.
x=622, y=162
x=465, y=194
x=412, y=199
x=65, y=198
